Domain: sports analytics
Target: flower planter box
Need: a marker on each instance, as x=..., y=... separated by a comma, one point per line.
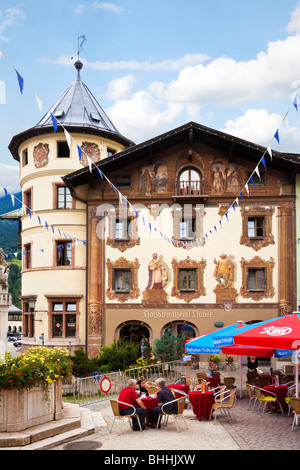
x=22, y=409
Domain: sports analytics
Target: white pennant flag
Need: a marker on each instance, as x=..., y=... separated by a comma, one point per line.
x=68, y=137
x=0, y=54
x=270, y=152
x=257, y=171
x=246, y=186
x=90, y=163
x=237, y=201
x=39, y=102
x=12, y=199
x=286, y=120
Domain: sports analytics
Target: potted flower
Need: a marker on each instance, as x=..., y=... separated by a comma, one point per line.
x=213, y=361
x=30, y=387
x=228, y=362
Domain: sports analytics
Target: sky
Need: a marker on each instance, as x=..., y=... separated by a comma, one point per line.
x=230, y=65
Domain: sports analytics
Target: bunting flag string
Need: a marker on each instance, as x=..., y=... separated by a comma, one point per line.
x=69, y=138
x=22, y=81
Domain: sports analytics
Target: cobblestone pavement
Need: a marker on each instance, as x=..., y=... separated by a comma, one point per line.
x=247, y=431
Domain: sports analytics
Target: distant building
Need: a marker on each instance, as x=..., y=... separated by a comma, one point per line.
x=14, y=321
x=168, y=253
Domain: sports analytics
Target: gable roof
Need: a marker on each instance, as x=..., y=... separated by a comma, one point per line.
x=185, y=133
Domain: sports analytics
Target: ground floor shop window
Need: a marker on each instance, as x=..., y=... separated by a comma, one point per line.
x=64, y=319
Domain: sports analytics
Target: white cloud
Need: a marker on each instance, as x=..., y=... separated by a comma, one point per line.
x=120, y=88
x=140, y=117
x=9, y=177
x=255, y=125
x=259, y=126
x=225, y=81
x=110, y=7
x=10, y=17
x=147, y=65
x=106, y=6
x=294, y=24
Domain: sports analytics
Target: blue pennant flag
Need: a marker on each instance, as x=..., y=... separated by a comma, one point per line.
x=29, y=212
x=21, y=81
x=5, y=192
x=54, y=122
x=79, y=152
x=100, y=172
x=295, y=103
x=276, y=135
x=39, y=219
x=251, y=179
x=263, y=162
x=241, y=194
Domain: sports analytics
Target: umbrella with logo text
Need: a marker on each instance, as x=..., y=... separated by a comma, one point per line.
x=215, y=341
x=280, y=332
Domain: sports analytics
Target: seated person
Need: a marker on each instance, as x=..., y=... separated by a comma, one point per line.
x=142, y=387
x=164, y=395
x=252, y=363
x=129, y=396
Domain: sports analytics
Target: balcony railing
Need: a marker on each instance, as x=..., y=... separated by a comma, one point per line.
x=190, y=188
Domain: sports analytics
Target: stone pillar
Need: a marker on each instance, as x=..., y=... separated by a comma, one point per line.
x=5, y=302
x=286, y=258
x=95, y=287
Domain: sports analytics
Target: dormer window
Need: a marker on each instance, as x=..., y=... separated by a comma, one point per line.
x=95, y=117
x=59, y=113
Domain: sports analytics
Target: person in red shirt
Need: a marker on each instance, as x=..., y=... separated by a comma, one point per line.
x=128, y=396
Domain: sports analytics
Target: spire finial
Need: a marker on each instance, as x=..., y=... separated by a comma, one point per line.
x=80, y=41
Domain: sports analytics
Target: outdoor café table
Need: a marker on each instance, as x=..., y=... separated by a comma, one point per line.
x=214, y=381
x=202, y=403
x=280, y=392
x=180, y=388
x=150, y=403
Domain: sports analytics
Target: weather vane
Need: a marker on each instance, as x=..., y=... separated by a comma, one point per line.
x=80, y=41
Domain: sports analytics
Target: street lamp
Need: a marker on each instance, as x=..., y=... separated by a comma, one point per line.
x=31, y=304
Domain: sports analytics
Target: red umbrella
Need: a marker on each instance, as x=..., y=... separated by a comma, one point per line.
x=240, y=350
x=280, y=332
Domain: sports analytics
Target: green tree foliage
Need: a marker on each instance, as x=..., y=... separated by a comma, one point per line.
x=170, y=347
x=83, y=366
x=118, y=356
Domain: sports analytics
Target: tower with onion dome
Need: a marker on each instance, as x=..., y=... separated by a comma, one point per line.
x=54, y=223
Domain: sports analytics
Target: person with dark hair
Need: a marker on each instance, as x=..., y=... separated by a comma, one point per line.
x=252, y=363
x=142, y=387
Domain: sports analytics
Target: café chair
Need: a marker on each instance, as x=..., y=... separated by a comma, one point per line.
x=251, y=376
x=219, y=393
x=229, y=382
x=177, y=414
x=263, y=380
x=225, y=405
x=290, y=393
x=115, y=409
x=295, y=403
x=268, y=399
x=200, y=376
x=181, y=392
x=152, y=389
x=252, y=396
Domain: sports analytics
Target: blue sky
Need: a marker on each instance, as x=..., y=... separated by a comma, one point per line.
x=228, y=64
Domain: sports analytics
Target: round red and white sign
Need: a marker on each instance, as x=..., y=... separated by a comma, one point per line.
x=276, y=330
x=105, y=385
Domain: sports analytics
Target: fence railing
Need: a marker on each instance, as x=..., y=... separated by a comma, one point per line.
x=86, y=390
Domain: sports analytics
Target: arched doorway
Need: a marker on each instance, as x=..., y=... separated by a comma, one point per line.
x=134, y=331
x=189, y=330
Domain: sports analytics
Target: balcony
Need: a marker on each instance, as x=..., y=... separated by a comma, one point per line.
x=190, y=188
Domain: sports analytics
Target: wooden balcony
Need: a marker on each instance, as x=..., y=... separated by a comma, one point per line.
x=190, y=189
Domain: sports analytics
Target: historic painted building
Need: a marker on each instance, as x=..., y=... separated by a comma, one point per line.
x=140, y=238
x=170, y=249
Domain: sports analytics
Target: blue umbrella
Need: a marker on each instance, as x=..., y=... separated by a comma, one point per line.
x=205, y=345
